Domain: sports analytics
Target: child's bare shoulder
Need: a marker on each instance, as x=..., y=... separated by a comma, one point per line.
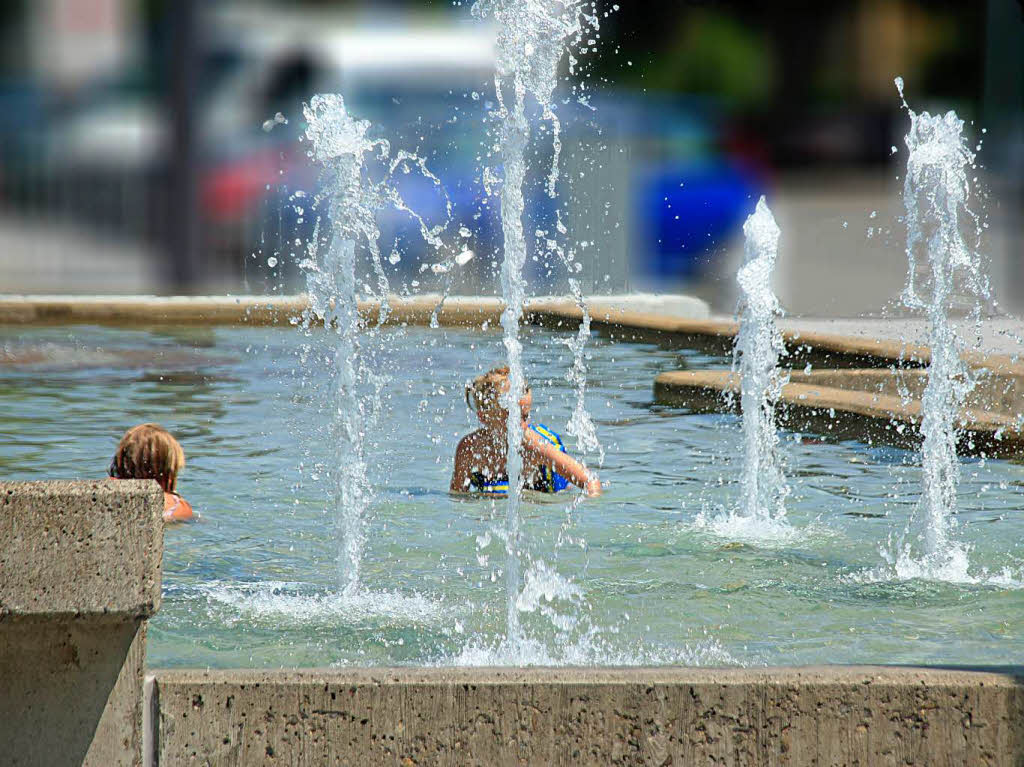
x=472, y=440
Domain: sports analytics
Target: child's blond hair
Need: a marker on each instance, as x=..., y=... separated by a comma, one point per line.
x=148, y=451
x=485, y=390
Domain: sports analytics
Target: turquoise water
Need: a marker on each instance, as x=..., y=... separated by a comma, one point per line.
x=645, y=574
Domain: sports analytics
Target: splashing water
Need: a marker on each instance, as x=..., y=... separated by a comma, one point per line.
x=340, y=145
x=935, y=194
x=351, y=198
x=580, y=424
x=758, y=348
x=533, y=37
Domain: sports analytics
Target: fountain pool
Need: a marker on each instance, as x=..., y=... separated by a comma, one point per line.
x=636, y=576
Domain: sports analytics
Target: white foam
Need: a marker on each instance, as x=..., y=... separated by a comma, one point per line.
x=951, y=567
x=760, y=530
x=300, y=604
x=589, y=650
x=542, y=584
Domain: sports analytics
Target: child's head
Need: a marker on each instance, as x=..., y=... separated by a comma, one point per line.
x=483, y=394
x=148, y=451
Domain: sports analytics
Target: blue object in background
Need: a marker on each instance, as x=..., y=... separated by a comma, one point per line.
x=686, y=211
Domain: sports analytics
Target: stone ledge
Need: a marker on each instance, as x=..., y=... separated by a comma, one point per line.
x=74, y=550
x=780, y=716
x=682, y=321
x=863, y=405
x=283, y=310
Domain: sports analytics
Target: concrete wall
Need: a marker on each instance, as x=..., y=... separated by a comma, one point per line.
x=870, y=716
x=79, y=576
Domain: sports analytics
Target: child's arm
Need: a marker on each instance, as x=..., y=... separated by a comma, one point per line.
x=563, y=463
x=461, y=474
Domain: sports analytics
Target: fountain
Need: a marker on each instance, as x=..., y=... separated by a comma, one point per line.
x=339, y=145
x=758, y=347
x=533, y=37
x=249, y=586
x=761, y=510
x=350, y=199
x=936, y=191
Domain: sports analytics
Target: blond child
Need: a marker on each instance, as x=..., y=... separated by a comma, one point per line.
x=148, y=451
x=481, y=457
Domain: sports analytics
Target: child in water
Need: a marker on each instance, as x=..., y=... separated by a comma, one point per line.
x=481, y=457
x=148, y=451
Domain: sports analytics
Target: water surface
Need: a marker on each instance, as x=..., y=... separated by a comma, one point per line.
x=641, y=575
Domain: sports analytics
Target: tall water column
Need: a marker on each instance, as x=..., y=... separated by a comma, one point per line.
x=533, y=37
x=941, y=266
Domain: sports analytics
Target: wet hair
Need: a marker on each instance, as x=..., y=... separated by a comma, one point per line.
x=148, y=451
x=485, y=390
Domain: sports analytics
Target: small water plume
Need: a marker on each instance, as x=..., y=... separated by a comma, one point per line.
x=940, y=263
x=758, y=349
x=352, y=194
x=580, y=424
x=533, y=37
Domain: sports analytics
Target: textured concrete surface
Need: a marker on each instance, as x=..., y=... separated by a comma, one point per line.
x=149, y=310
x=80, y=566
x=75, y=549
x=867, y=716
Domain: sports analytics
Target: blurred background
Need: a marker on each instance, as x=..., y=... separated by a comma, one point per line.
x=152, y=146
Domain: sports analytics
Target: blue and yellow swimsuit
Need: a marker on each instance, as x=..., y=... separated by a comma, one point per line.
x=547, y=479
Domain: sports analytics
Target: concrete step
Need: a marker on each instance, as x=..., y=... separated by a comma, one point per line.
x=862, y=404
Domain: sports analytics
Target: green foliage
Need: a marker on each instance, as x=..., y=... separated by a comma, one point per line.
x=716, y=54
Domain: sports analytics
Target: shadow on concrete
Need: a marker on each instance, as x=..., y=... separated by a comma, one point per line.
x=64, y=698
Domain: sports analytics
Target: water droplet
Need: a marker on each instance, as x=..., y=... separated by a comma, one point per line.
x=277, y=119
x=272, y=262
